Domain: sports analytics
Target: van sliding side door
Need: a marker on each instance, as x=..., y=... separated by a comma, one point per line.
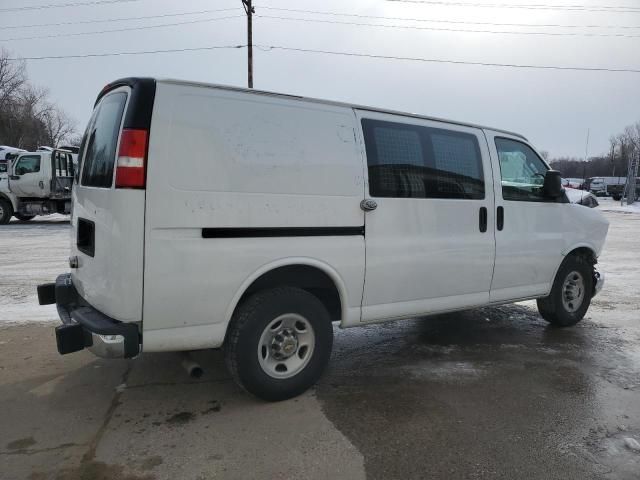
x=430, y=243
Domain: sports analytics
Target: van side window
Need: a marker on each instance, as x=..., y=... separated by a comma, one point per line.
x=522, y=171
x=101, y=139
x=411, y=161
x=28, y=164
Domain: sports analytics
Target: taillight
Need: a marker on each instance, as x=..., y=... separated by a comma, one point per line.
x=132, y=159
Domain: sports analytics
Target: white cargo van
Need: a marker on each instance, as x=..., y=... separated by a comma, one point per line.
x=207, y=216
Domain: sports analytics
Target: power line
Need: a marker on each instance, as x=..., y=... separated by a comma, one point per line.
x=378, y=17
x=125, y=29
x=413, y=27
x=120, y=19
x=62, y=5
x=115, y=54
x=318, y=12
x=586, y=8
x=267, y=48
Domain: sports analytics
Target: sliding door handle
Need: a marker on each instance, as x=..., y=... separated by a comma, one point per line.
x=500, y=218
x=483, y=219
x=368, y=205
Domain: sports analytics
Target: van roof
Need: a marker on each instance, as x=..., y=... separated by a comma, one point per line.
x=331, y=102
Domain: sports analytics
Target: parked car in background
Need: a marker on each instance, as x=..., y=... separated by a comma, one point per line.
x=573, y=183
x=604, y=186
x=598, y=187
x=581, y=197
x=616, y=191
x=258, y=241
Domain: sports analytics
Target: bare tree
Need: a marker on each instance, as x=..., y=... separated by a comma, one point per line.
x=13, y=77
x=632, y=135
x=58, y=126
x=27, y=118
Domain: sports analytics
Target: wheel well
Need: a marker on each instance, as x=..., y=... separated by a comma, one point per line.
x=306, y=277
x=6, y=198
x=586, y=253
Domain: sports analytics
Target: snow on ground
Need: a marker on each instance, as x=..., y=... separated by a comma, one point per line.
x=607, y=204
x=31, y=253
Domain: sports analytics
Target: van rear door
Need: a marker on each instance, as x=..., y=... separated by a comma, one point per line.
x=109, y=199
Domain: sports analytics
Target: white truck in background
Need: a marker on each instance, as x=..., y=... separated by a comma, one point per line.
x=36, y=183
x=604, y=186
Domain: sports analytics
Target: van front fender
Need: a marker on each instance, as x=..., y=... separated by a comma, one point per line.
x=584, y=244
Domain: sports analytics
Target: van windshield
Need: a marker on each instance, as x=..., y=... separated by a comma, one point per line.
x=100, y=141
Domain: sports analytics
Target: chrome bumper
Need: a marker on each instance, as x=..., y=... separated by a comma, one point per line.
x=598, y=282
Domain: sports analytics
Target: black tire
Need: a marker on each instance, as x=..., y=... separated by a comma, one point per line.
x=249, y=322
x=552, y=308
x=24, y=218
x=6, y=211
x=617, y=197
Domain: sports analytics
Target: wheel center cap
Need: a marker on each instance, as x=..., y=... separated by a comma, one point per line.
x=289, y=346
x=284, y=344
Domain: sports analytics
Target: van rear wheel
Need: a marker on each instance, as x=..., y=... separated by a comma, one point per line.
x=571, y=293
x=6, y=211
x=279, y=343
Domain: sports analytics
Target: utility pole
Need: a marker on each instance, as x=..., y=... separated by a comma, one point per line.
x=249, y=11
x=586, y=156
x=613, y=158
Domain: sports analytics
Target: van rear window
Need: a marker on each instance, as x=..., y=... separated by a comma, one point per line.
x=101, y=140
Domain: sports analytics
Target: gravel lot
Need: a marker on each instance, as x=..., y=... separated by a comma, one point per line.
x=489, y=393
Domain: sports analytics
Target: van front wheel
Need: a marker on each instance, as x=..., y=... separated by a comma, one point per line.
x=279, y=343
x=571, y=294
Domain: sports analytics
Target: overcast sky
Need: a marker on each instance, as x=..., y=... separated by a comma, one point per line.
x=552, y=108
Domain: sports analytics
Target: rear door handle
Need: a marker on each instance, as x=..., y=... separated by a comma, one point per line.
x=500, y=218
x=483, y=219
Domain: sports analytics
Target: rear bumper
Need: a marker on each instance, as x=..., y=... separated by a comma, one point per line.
x=85, y=327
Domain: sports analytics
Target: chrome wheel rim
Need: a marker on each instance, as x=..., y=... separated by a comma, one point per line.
x=573, y=292
x=286, y=346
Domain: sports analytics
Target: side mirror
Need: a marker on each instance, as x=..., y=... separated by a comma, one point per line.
x=552, y=186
